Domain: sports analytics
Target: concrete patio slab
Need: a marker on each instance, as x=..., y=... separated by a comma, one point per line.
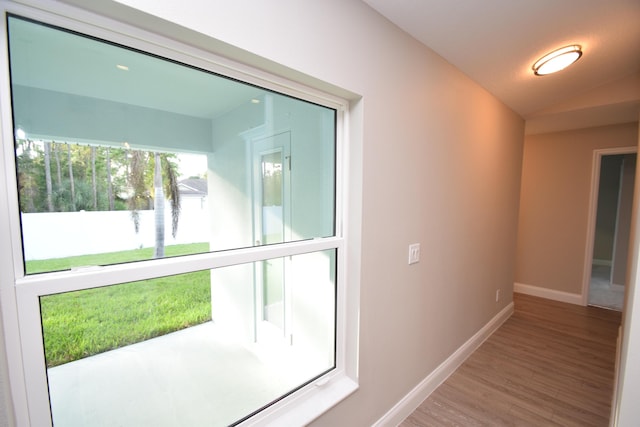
x=194, y=377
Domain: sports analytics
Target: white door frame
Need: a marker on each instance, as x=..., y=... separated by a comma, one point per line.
x=593, y=209
x=262, y=328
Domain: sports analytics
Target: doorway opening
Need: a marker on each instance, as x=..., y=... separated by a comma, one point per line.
x=614, y=175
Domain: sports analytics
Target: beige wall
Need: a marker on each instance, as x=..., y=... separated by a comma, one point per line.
x=439, y=160
x=554, y=204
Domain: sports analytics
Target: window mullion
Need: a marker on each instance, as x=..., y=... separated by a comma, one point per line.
x=92, y=277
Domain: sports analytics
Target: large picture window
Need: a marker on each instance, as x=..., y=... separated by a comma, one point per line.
x=180, y=234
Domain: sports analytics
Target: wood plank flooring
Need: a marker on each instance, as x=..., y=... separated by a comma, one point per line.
x=550, y=364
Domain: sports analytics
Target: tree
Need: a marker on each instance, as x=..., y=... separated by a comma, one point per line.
x=160, y=169
x=94, y=179
x=47, y=175
x=29, y=176
x=94, y=182
x=71, y=181
x=109, y=181
x=158, y=206
x=56, y=152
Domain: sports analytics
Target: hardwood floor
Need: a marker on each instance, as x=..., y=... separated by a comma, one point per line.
x=550, y=364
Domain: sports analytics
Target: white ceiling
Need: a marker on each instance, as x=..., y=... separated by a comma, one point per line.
x=495, y=42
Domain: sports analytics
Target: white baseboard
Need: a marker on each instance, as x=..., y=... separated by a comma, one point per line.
x=415, y=397
x=547, y=293
x=604, y=262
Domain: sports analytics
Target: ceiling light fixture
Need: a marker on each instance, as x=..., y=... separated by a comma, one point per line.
x=122, y=67
x=557, y=60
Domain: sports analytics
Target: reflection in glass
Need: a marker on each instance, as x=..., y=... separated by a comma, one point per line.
x=112, y=357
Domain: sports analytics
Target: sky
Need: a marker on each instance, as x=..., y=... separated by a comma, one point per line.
x=192, y=164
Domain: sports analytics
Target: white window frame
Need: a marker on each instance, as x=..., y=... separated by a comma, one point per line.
x=19, y=293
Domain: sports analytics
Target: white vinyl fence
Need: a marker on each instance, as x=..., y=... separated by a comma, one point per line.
x=63, y=234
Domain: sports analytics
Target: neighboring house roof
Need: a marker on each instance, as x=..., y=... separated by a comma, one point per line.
x=193, y=187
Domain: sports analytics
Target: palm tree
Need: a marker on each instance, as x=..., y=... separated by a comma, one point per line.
x=165, y=186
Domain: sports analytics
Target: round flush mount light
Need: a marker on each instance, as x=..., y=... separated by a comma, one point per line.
x=557, y=60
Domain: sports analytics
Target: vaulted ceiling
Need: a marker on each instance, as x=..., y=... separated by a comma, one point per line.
x=495, y=43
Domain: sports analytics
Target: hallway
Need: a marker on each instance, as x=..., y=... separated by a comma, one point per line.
x=551, y=363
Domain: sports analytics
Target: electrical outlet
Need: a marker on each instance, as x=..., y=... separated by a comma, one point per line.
x=414, y=253
x=497, y=295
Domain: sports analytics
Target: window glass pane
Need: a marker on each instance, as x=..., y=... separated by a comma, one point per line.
x=103, y=207
x=108, y=137
x=191, y=349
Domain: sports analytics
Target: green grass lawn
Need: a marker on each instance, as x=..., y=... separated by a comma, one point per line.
x=83, y=323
